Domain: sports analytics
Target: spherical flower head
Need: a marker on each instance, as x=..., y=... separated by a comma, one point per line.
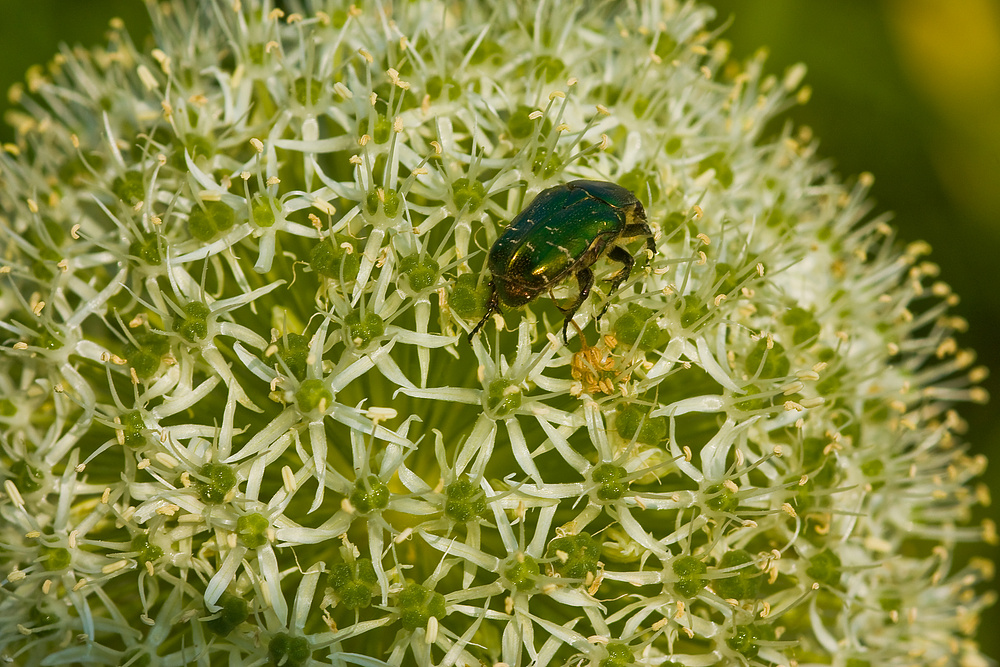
x=242, y=420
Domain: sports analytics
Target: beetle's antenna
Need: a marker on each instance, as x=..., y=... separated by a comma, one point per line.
x=491, y=307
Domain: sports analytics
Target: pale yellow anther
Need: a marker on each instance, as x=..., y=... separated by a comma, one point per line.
x=535, y=115
x=111, y=568
x=793, y=388
x=978, y=374
x=396, y=81
x=940, y=289
x=147, y=77
x=379, y=414
x=170, y=509
x=366, y=55
x=947, y=347
x=557, y=94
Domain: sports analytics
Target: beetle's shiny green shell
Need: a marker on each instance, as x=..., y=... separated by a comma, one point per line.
x=563, y=229
x=560, y=234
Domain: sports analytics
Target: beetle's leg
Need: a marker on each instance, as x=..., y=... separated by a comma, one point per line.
x=618, y=254
x=491, y=307
x=640, y=229
x=585, y=277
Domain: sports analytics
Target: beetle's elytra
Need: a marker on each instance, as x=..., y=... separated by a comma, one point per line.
x=561, y=233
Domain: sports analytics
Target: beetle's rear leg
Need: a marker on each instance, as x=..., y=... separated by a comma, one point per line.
x=585, y=277
x=618, y=254
x=492, y=306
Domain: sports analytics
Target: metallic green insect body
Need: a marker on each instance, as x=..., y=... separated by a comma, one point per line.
x=561, y=233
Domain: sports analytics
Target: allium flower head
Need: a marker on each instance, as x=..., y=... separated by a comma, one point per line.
x=241, y=422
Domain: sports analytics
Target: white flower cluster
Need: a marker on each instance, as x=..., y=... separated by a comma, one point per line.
x=241, y=422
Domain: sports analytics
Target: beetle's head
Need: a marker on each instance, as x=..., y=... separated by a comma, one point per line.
x=513, y=294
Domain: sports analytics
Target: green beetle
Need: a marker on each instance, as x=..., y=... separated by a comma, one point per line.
x=561, y=233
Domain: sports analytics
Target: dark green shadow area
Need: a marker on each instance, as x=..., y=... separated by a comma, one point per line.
x=32, y=30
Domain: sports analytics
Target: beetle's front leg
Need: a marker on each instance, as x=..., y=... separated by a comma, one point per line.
x=585, y=278
x=618, y=254
x=641, y=229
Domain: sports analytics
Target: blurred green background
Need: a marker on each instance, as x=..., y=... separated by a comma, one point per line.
x=906, y=89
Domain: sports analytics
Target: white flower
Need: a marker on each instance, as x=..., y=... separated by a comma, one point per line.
x=241, y=421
